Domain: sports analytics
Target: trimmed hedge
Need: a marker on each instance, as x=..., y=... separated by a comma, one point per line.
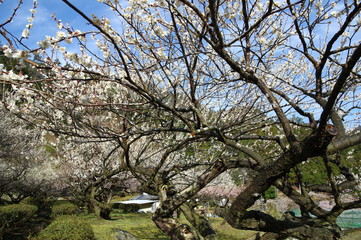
x=64, y=209
x=12, y=216
x=65, y=228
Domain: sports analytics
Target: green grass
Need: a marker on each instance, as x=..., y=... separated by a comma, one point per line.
x=138, y=224
x=225, y=232
x=142, y=227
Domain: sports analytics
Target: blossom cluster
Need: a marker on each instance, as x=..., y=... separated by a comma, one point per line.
x=166, y=53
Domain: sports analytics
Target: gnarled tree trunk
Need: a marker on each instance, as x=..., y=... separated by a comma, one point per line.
x=174, y=229
x=200, y=223
x=101, y=209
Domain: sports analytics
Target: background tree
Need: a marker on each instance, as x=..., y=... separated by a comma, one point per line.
x=23, y=169
x=92, y=173
x=181, y=80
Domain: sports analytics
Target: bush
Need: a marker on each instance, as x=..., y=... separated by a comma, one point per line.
x=12, y=216
x=27, y=200
x=270, y=193
x=64, y=209
x=65, y=228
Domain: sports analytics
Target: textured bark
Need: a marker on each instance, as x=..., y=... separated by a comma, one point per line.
x=291, y=226
x=102, y=210
x=200, y=223
x=238, y=216
x=175, y=230
x=171, y=202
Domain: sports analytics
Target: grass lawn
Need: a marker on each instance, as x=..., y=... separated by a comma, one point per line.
x=138, y=224
x=141, y=226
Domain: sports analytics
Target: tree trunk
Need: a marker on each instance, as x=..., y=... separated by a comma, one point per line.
x=200, y=223
x=102, y=210
x=175, y=230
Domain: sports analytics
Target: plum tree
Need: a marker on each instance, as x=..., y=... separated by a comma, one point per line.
x=190, y=89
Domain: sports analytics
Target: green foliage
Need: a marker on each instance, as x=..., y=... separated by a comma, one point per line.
x=64, y=209
x=142, y=227
x=313, y=172
x=225, y=231
x=65, y=228
x=12, y=216
x=138, y=224
x=17, y=65
x=351, y=158
x=270, y=193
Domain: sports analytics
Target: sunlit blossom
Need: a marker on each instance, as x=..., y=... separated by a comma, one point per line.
x=25, y=33
x=44, y=44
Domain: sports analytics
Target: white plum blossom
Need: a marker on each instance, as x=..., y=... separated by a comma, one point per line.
x=7, y=51
x=68, y=40
x=62, y=49
x=60, y=35
x=29, y=25
x=168, y=75
x=44, y=44
x=161, y=54
x=335, y=13
x=25, y=33
x=60, y=25
x=159, y=31
x=18, y=54
x=262, y=40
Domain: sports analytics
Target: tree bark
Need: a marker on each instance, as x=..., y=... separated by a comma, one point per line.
x=238, y=216
x=176, y=230
x=102, y=210
x=200, y=223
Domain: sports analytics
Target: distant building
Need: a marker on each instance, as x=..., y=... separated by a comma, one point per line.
x=146, y=202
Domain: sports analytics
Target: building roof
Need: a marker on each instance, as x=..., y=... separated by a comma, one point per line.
x=138, y=201
x=143, y=198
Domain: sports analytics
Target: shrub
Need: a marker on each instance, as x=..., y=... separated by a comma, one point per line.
x=12, y=216
x=64, y=209
x=270, y=193
x=27, y=200
x=65, y=228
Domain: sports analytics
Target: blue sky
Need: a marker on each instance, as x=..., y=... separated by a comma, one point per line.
x=43, y=22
